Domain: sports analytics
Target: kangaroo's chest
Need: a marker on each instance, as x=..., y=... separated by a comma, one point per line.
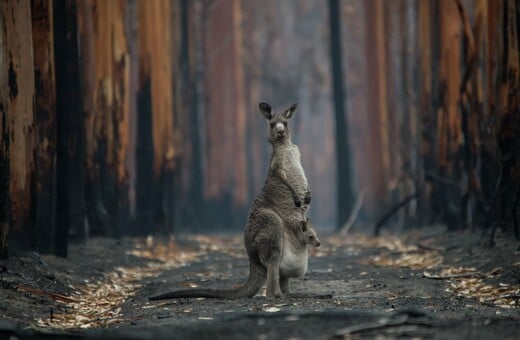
x=292, y=164
x=293, y=262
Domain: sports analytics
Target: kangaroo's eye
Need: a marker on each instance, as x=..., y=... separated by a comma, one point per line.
x=312, y=238
x=285, y=124
x=272, y=125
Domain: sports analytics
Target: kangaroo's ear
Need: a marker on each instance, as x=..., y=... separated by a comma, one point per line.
x=266, y=110
x=290, y=111
x=303, y=225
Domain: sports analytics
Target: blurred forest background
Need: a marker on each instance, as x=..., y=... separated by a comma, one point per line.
x=131, y=117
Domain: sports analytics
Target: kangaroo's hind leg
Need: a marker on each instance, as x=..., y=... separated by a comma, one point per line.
x=267, y=231
x=272, y=263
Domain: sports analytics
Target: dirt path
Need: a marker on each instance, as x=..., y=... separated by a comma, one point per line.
x=443, y=285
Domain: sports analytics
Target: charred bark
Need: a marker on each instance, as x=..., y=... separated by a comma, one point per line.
x=17, y=129
x=5, y=207
x=344, y=176
x=70, y=148
x=45, y=119
x=144, y=158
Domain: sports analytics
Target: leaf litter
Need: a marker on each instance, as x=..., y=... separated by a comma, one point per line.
x=464, y=282
x=97, y=304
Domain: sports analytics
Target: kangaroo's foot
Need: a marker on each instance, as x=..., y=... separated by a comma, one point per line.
x=274, y=295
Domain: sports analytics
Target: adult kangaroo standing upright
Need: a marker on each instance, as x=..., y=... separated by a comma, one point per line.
x=273, y=233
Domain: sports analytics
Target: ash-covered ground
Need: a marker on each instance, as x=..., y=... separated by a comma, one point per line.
x=428, y=284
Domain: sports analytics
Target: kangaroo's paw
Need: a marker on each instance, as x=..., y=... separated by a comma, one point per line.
x=307, y=198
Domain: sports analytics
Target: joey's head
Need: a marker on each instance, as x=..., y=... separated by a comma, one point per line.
x=309, y=234
x=278, y=123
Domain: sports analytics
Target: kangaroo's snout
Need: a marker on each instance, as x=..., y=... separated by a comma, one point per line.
x=280, y=128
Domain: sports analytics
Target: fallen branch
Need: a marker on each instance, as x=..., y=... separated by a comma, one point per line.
x=381, y=323
x=353, y=214
x=307, y=296
x=423, y=246
x=392, y=211
x=397, y=319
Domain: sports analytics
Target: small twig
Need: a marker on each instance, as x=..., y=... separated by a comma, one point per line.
x=392, y=211
x=451, y=276
x=425, y=247
x=72, y=269
x=41, y=292
x=353, y=214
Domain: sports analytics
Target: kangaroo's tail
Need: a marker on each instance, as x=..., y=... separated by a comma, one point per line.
x=257, y=277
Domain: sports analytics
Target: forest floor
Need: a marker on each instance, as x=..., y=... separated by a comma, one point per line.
x=428, y=284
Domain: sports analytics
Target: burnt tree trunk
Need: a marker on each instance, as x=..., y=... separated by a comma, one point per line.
x=189, y=174
x=70, y=148
x=105, y=66
x=5, y=141
x=18, y=136
x=344, y=176
x=426, y=115
x=157, y=142
x=45, y=118
x=225, y=180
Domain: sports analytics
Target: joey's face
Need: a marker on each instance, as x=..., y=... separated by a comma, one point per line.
x=309, y=234
x=313, y=239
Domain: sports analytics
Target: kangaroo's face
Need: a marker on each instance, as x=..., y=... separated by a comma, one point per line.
x=309, y=234
x=278, y=127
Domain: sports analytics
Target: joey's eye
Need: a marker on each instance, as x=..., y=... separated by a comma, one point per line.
x=312, y=238
x=272, y=125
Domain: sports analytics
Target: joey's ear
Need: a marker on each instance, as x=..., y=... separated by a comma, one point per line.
x=290, y=111
x=303, y=225
x=266, y=110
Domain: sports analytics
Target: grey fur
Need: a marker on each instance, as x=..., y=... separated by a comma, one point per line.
x=277, y=234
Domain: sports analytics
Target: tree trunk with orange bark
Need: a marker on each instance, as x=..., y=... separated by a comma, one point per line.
x=157, y=137
x=107, y=99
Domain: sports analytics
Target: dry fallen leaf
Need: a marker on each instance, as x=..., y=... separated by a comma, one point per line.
x=271, y=309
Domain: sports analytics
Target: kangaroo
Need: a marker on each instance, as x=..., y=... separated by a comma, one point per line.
x=285, y=160
x=274, y=238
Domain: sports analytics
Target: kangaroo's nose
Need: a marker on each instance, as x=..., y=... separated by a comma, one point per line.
x=318, y=244
x=279, y=127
